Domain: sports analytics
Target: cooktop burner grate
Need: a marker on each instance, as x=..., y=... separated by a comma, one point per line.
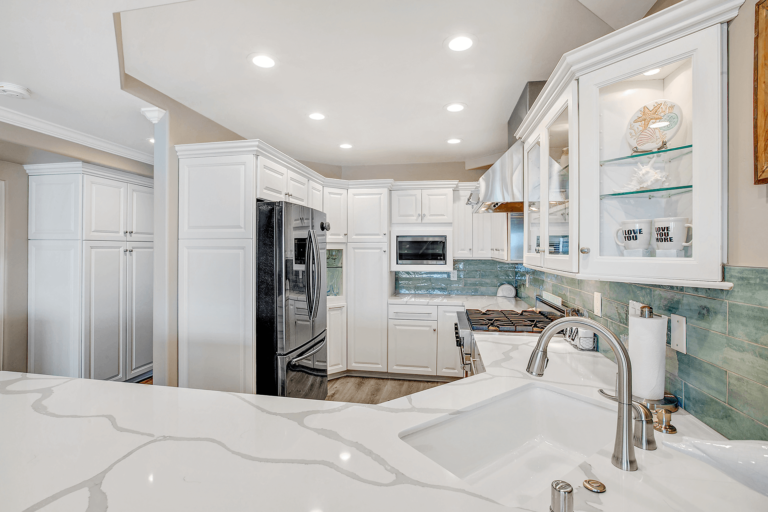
x=510, y=321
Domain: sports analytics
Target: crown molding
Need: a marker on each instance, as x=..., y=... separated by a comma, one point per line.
x=467, y=185
x=90, y=170
x=335, y=183
x=412, y=185
x=62, y=132
x=153, y=114
x=370, y=184
x=672, y=23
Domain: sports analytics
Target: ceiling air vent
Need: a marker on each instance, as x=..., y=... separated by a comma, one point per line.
x=14, y=91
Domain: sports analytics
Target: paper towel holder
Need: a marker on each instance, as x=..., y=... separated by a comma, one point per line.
x=646, y=312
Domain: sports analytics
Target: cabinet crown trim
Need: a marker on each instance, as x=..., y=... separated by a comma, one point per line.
x=672, y=23
x=88, y=169
x=352, y=184
x=467, y=185
x=413, y=185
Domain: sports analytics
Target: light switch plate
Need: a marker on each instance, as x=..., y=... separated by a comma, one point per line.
x=454, y=275
x=678, y=335
x=598, y=308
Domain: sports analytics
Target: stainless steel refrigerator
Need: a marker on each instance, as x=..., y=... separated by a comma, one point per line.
x=291, y=307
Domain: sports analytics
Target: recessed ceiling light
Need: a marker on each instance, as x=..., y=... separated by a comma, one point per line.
x=459, y=44
x=317, y=116
x=454, y=107
x=652, y=72
x=660, y=124
x=151, y=140
x=454, y=141
x=262, y=61
x=345, y=146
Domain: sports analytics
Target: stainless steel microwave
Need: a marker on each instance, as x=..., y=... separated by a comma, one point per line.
x=421, y=250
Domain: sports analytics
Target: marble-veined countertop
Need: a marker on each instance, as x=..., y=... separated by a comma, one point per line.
x=482, y=302
x=77, y=445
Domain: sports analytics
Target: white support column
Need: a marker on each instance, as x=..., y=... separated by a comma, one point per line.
x=165, y=339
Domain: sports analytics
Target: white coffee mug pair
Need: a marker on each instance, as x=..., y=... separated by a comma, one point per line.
x=669, y=233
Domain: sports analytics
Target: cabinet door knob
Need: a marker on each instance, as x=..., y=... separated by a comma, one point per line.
x=434, y=330
x=125, y=250
x=384, y=234
x=130, y=250
x=125, y=232
x=584, y=250
x=130, y=233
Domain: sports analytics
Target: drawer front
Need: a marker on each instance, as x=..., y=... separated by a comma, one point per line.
x=400, y=312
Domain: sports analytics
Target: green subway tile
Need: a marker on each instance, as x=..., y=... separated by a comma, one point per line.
x=748, y=397
x=748, y=323
x=479, y=282
x=616, y=311
x=750, y=285
x=699, y=311
x=560, y=291
x=624, y=292
x=734, y=355
x=726, y=420
x=468, y=273
x=708, y=378
x=479, y=265
x=489, y=274
x=590, y=286
x=582, y=299
x=674, y=385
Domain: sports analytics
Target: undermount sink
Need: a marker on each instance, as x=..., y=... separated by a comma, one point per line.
x=512, y=448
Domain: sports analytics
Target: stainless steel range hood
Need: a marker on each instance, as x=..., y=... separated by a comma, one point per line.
x=501, y=187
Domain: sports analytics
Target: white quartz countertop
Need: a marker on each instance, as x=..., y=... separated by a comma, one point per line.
x=76, y=445
x=481, y=302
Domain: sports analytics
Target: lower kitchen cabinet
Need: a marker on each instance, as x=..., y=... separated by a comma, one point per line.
x=337, y=338
x=448, y=360
x=412, y=346
x=368, y=291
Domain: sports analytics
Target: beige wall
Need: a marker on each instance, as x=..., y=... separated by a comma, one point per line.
x=748, y=203
x=660, y=5
x=15, y=271
x=327, y=170
x=411, y=172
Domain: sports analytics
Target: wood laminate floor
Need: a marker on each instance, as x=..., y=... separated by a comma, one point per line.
x=370, y=390
x=146, y=381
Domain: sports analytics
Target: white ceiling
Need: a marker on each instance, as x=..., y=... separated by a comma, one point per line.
x=65, y=52
x=379, y=70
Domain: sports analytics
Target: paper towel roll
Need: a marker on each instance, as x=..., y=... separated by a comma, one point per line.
x=647, y=352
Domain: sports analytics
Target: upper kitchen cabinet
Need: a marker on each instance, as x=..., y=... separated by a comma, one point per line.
x=335, y=207
x=275, y=182
x=422, y=202
x=625, y=153
x=551, y=190
x=368, y=213
x=653, y=196
x=462, y=222
x=78, y=201
x=315, y=195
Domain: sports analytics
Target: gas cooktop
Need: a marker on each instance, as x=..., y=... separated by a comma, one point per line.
x=525, y=321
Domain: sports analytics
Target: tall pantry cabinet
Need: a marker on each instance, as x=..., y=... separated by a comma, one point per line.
x=90, y=272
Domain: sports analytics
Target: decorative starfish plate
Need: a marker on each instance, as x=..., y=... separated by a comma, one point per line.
x=653, y=125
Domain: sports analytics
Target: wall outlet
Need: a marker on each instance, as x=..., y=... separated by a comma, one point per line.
x=454, y=275
x=634, y=308
x=679, y=331
x=552, y=298
x=598, y=308
x=527, y=280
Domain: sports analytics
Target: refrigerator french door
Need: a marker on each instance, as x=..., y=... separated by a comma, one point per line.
x=291, y=308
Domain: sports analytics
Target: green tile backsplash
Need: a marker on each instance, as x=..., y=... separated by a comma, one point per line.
x=722, y=380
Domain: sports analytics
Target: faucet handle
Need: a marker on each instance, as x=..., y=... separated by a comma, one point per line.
x=642, y=436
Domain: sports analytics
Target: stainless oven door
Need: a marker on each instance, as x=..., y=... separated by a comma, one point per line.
x=304, y=373
x=421, y=250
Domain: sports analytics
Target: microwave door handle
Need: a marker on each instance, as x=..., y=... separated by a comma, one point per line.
x=308, y=272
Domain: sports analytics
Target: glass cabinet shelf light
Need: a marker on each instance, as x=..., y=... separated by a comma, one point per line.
x=653, y=193
x=669, y=154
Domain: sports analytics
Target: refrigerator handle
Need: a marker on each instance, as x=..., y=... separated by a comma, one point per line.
x=309, y=278
x=315, y=274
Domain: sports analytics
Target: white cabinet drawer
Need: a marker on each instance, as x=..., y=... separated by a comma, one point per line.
x=400, y=312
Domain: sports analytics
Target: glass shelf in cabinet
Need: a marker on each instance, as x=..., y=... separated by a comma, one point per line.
x=653, y=192
x=671, y=153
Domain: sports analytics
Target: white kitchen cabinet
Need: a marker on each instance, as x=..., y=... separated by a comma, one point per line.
x=105, y=209
x=448, y=359
x=412, y=347
x=368, y=215
x=499, y=235
x=482, y=233
x=216, y=197
x=139, y=299
x=462, y=225
x=141, y=220
x=271, y=180
x=335, y=208
x=104, y=310
x=337, y=338
x=55, y=207
x=315, y=195
x=216, y=316
x=368, y=291
x=80, y=320
x=417, y=206
x=297, y=188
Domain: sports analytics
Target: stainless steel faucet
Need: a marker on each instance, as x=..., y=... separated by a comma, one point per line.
x=623, y=449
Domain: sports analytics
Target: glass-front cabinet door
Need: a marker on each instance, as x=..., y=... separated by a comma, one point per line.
x=651, y=134
x=551, y=207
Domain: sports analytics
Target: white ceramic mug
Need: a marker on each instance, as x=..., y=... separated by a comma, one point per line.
x=669, y=233
x=634, y=234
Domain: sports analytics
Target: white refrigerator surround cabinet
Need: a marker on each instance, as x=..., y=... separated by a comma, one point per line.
x=368, y=291
x=90, y=272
